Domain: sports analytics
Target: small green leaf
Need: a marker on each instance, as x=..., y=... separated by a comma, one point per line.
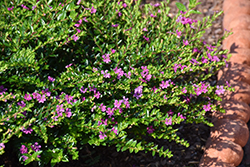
x=194, y=12
x=62, y=15
x=180, y=6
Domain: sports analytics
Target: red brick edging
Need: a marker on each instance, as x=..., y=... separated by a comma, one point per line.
x=230, y=132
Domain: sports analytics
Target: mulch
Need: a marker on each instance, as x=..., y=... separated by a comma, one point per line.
x=195, y=134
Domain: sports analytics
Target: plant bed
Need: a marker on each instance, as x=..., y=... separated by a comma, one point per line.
x=186, y=131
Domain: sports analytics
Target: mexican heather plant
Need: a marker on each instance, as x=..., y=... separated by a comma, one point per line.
x=101, y=73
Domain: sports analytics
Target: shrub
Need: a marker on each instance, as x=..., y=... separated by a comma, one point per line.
x=101, y=73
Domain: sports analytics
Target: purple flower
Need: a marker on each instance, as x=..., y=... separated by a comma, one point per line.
x=183, y=12
x=93, y=10
x=151, y=15
x=68, y=112
x=147, y=39
x=102, y=135
x=124, y=5
x=157, y=4
x=206, y=107
x=179, y=19
x=85, y=19
x=184, y=90
x=2, y=146
x=33, y=7
x=117, y=103
x=22, y=104
x=59, y=108
x=23, y=149
x=2, y=90
x=27, y=97
x=78, y=30
x=110, y=112
x=119, y=14
x=24, y=157
x=83, y=90
x=113, y=51
x=176, y=66
x=9, y=9
x=119, y=71
x=126, y=102
x=115, y=25
x=41, y=99
x=185, y=42
x=138, y=90
x=215, y=58
x=106, y=58
x=97, y=95
x=75, y=38
x=27, y=131
x=25, y=7
x=150, y=129
x=170, y=112
x=102, y=107
x=168, y=121
x=204, y=60
x=51, y=79
x=181, y=116
x=220, y=90
x=105, y=74
x=67, y=66
x=195, y=50
x=129, y=29
x=165, y=84
x=78, y=2
x=35, y=147
x=178, y=33
x=145, y=29
x=114, y=130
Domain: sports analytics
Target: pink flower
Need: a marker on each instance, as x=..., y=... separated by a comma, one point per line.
x=27, y=97
x=157, y=4
x=185, y=42
x=102, y=135
x=168, y=121
x=93, y=10
x=9, y=9
x=113, y=51
x=84, y=19
x=106, y=58
x=178, y=33
x=207, y=107
x=75, y=38
x=117, y=103
x=150, y=129
x=124, y=5
x=184, y=90
x=165, y=84
x=144, y=29
x=78, y=2
x=147, y=39
x=151, y=15
x=51, y=79
x=114, y=130
x=115, y=25
x=220, y=90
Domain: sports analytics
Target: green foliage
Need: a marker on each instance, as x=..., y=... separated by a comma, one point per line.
x=101, y=73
